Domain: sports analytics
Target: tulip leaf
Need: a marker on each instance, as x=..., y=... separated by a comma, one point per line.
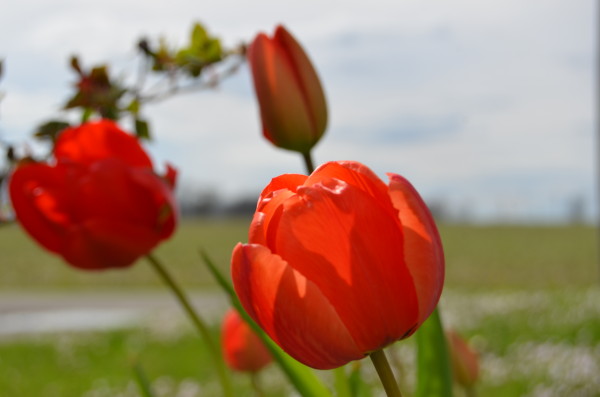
x=223, y=282
x=434, y=377
x=142, y=380
x=303, y=378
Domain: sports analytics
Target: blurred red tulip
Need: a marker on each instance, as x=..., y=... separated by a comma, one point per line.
x=242, y=349
x=292, y=103
x=339, y=264
x=99, y=204
x=465, y=362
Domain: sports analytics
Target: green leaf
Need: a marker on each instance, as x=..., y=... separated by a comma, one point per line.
x=163, y=57
x=434, y=376
x=50, y=130
x=302, y=377
x=86, y=114
x=223, y=282
x=198, y=36
x=201, y=51
x=74, y=63
x=133, y=107
x=142, y=130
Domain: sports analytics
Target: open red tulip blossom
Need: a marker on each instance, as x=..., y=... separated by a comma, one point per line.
x=339, y=264
x=242, y=348
x=291, y=100
x=98, y=203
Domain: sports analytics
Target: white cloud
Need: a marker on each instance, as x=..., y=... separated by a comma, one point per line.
x=512, y=79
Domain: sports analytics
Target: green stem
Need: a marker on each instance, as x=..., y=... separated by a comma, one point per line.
x=308, y=162
x=385, y=373
x=198, y=323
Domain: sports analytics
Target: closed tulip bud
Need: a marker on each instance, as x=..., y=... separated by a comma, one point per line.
x=339, y=264
x=465, y=362
x=98, y=204
x=291, y=100
x=242, y=348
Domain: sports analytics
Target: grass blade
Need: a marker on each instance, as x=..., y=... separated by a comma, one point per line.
x=302, y=377
x=142, y=380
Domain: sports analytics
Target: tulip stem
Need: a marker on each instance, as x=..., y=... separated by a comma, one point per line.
x=308, y=162
x=198, y=323
x=385, y=373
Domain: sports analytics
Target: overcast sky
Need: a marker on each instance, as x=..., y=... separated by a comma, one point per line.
x=486, y=105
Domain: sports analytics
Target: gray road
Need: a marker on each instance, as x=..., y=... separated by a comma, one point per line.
x=24, y=313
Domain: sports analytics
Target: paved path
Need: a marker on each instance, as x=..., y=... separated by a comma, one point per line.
x=36, y=312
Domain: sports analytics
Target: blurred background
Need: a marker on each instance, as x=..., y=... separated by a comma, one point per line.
x=487, y=108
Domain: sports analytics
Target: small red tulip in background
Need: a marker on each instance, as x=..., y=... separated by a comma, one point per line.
x=292, y=103
x=339, y=264
x=99, y=203
x=242, y=349
x=465, y=362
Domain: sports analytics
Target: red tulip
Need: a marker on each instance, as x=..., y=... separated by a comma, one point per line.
x=291, y=99
x=242, y=348
x=99, y=204
x=465, y=362
x=338, y=264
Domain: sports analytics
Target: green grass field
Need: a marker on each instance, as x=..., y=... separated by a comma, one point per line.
x=477, y=257
x=526, y=296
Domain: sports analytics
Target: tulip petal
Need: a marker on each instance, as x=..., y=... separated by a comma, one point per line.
x=285, y=181
x=39, y=195
x=284, y=112
x=271, y=197
x=465, y=361
x=424, y=254
x=358, y=175
x=303, y=68
x=291, y=309
x=102, y=244
x=337, y=236
x=99, y=140
x=113, y=190
x=242, y=348
x=108, y=217
x=171, y=176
